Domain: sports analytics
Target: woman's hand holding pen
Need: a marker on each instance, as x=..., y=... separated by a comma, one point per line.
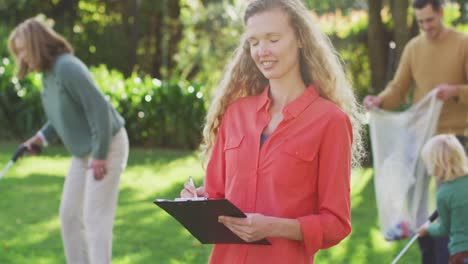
x=190, y=191
x=252, y=228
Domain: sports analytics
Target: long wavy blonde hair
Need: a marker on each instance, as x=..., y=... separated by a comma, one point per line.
x=319, y=64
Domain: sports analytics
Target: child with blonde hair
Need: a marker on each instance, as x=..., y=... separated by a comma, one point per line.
x=445, y=158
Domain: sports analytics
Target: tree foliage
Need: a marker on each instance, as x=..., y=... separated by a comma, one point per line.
x=321, y=7
x=157, y=113
x=127, y=35
x=192, y=40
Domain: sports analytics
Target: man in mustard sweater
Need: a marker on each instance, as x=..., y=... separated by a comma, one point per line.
x=435, y=59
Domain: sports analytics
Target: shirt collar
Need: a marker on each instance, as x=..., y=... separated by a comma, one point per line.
x=295, y=107
x=263, y=99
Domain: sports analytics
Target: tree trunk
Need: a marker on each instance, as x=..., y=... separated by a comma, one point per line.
x=158, y=55
x=168, y=35
x=65, y=13
x=378, y=47
x=174, y=34
x=401, y=33
x=134, y=36
x=462, y=7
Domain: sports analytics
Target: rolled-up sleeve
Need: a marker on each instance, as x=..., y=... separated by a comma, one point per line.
x=332, y=222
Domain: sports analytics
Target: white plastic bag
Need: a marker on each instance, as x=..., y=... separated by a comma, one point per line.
x=400, y=179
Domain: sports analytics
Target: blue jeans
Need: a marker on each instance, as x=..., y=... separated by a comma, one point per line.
x=434, y=250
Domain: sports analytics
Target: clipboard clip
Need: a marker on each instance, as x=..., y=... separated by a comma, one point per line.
x=191, y=199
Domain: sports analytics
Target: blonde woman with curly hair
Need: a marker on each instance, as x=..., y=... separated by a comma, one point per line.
x=445, y=158
x=281, y=136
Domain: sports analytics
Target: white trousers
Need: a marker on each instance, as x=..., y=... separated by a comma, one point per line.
x=87, y=208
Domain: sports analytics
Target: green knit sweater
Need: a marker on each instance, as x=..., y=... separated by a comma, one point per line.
x=452, y=205
x=77, y=111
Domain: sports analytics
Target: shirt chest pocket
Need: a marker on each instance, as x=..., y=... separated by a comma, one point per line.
x=297, y=166
x=232, y=154
x=300, y=152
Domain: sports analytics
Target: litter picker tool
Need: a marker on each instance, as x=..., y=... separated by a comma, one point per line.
x=18, y=153
x=433, y=217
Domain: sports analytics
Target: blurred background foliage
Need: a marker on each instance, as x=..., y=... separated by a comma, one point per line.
x=163, y=58
x=157, y=113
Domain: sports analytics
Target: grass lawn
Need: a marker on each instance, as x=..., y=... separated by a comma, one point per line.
x=143, y=233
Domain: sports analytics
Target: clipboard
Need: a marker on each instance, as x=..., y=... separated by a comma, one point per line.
x=200, y=217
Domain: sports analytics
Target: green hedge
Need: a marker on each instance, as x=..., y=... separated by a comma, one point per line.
x=157, y=114
x=20, y=103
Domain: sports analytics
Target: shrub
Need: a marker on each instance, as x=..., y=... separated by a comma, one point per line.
x=157, y=113
x=21, y=110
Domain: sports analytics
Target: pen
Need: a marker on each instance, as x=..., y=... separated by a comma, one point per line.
x=193, y=184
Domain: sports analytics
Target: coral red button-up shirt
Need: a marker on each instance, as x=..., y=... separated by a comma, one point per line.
x=302, y=171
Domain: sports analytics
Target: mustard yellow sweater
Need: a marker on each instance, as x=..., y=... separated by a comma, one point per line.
x=426, y=64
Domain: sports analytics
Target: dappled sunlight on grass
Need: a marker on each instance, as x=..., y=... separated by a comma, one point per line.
x=365, y=244
x=34, y=235
x=159, y=177
x=153, y=174
x=134, y=257
x=52, y=166
x=143, y=227
x=334, y=254
x=359, y=180
x=379, y=244
x=144, y=233
x=52, y=162
x=29, y=219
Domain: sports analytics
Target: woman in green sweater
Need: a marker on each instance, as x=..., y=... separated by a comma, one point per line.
x=445, y=158
x=91, y=130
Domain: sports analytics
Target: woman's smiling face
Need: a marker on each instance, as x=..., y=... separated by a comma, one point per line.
x=273, y=44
